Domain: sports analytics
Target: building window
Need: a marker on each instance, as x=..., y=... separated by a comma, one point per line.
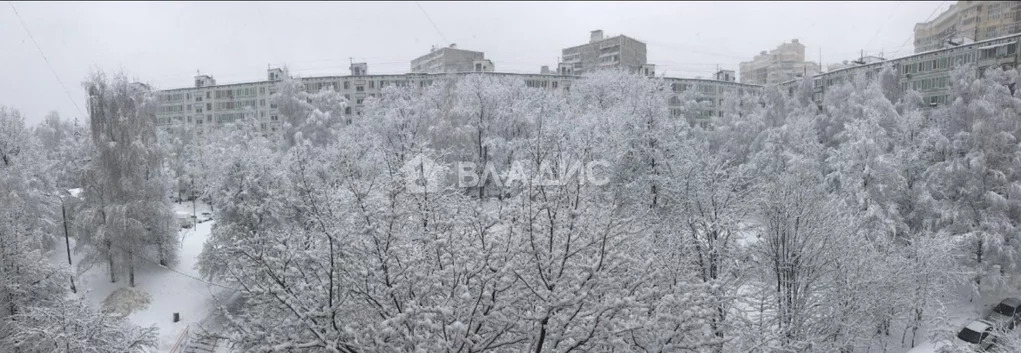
x=347, y=85
x=359, y=88
x=347, y=110
x=262, y=90
x=262, y=102
x=208, y=95
x=209, y=106
x=273, y=117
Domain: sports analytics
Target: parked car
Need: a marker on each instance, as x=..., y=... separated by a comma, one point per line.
x=1006, y=315
x=980, y=333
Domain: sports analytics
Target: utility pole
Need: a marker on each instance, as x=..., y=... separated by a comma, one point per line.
x=67, y=240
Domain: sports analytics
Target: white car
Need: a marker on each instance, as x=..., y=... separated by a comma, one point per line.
x=979, y=333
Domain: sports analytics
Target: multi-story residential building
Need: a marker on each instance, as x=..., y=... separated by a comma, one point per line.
x=451, y=60
x=782, y=64
x=709, y=93
x=209, y=105
x=603, y=52
x=927, y=73
x=966, y=22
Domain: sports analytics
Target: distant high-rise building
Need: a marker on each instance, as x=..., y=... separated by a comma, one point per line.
x=968, y=21
x=782, y=64
x=451, y=60
x=602, y=52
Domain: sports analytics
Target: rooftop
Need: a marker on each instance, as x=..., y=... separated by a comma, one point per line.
x=978, y=325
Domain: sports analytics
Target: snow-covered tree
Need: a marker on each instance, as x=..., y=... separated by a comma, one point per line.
x=127, y=211
x=802, y=231
x=311, y=116
x=974, y=180
x=35, y=313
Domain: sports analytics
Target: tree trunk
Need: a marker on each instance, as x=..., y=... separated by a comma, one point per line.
x=131, y=270
x=194, y=210
x=542, y=334
x=978, y=258
x=109, y=257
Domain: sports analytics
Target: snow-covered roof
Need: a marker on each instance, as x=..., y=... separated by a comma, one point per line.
x=994, y=46
x=1012, y=301
x=978, y=326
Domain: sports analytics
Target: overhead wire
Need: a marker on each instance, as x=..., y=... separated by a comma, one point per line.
x=45, y=59
x=146, y=259
x=433, y=23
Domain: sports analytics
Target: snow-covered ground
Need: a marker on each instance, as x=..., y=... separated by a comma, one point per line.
x=967, y=307
x=178, y=289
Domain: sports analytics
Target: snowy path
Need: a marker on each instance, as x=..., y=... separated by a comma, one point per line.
x=179, y=289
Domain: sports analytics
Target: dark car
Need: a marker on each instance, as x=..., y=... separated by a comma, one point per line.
x=979, y=333
x=1006, y=315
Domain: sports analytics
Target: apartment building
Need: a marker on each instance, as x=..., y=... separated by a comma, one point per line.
x=209, y=105
x=966, y=22
x=709, y=93
x=451, y=60
x=927, y=73
x=782, y=64
x=603, y=52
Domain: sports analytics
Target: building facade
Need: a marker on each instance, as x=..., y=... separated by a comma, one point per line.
x=603, y=52
x=451, y=60
x=208, y=105
x=966, y=22
x=782, y=64
x=927, y=73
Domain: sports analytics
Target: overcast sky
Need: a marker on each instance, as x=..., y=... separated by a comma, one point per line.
x=164, y=44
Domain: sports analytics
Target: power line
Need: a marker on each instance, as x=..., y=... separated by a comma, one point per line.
x=927, y=19
x=47, y=60
x=445, y=41
x=170, y=269
x=79, y=227
x=882, y=26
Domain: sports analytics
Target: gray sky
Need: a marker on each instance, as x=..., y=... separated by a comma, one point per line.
x=165, y=43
